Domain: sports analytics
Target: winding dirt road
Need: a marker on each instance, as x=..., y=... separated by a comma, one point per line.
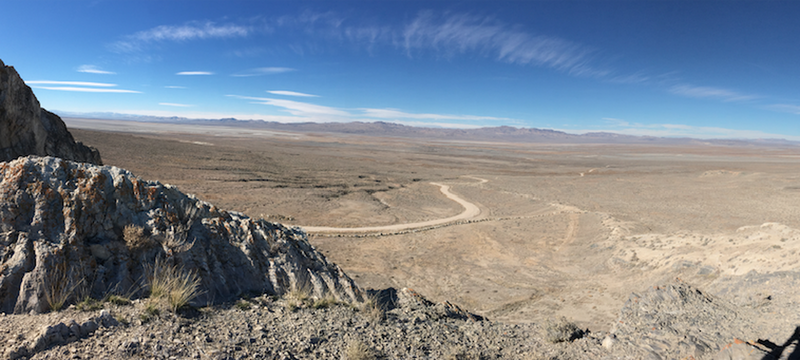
x=470, y=211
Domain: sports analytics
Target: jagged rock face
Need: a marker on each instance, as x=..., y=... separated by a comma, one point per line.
x=62, y=222
x=27, y=129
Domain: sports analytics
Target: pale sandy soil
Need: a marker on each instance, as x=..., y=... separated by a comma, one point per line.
x=566, y=230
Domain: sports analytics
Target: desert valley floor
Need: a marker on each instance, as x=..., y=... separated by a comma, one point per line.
x=560, y=229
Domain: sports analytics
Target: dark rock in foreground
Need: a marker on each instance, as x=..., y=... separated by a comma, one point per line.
x=63, y=222
x=27, y=129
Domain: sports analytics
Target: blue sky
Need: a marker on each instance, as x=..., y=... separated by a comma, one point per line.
x=713, y=69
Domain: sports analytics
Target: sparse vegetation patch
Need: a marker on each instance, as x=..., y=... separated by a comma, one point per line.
x=172, y=285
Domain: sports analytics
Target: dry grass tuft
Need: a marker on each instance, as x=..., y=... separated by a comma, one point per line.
x=299, y=297
x=358, y=350
x=172, y=285
x=372, y=309
x=325, y=302
x=59, y=287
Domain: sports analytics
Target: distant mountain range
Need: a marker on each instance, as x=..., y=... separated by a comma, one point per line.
x=499, y=133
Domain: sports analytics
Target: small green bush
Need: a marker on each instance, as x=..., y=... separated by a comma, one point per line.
x=242, y=305
x=89, y=304
x=151, y=311
x=118, y=300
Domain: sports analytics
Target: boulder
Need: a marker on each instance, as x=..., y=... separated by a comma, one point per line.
x=76, y=228
x=27, y=129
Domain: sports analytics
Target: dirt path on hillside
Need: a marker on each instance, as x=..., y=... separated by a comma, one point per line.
x=470, y=211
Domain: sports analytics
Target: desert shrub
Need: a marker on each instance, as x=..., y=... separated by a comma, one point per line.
x=135, y=238
x=562, y=331
x=172, y=285
x=358, y=350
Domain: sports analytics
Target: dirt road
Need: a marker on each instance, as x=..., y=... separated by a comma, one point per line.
x=470, y=211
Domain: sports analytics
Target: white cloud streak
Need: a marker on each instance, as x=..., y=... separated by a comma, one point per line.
x=397, y=114
x=786, y=108
x=186, y=32
x=681, y=130
x=320, y=113
x=84, y=89
x=438, y=125
x=174, y=87
x=708, y=92
x=297, y=108
x=74, y=83
x=264, y=71
x=174, y=104
x=459, y=34
x=91, y=69
x=195, y=73
x=290, y=93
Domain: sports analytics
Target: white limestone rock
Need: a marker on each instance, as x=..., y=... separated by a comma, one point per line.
x=62, y=222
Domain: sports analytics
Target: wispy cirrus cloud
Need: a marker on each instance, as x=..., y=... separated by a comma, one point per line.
x=786, y=108
x=451, y=34
x=78, y=86
x=174, y=87
x=397, y=114
x=75, y=83
x=90, y=90
x=176, y=33
x=174, y=104
x=190, y=73
x=446, y=34
x=624, y=127
x=290, y=93
x=298, y=108
x=708, y=92
x=313, y=112
x=429, y=124
x=263, y=71
x=91, y=69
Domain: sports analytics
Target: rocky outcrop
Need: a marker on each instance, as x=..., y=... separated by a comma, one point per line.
x=84, y=229
x=678, y=321
x=27, y=129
